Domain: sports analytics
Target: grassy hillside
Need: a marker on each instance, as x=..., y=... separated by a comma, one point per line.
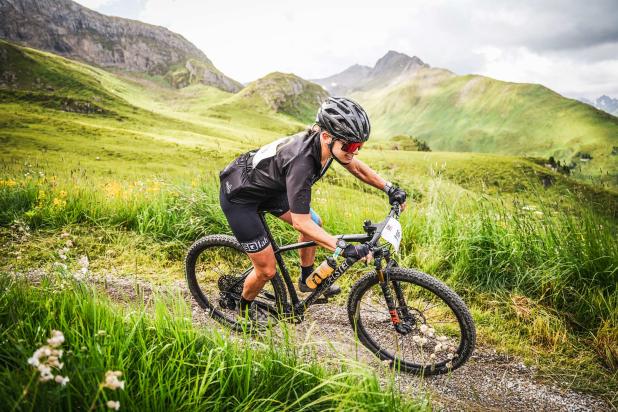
x=533, y=252
x=283, y=93
x=476, y=113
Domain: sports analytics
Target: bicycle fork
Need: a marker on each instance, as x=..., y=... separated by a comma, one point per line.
x=399, y=326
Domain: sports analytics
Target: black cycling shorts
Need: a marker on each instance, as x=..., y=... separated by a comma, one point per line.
x=244, y=219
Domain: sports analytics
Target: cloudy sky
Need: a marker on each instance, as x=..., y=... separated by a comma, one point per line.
x=570, y=46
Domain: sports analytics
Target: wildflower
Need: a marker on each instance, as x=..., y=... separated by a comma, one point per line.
x=101, y=332
x=62, y=380
x=56, y=340
x=42, y=194
x=424, y=329
x=69, y=243
x=59, y=203
x=113, y=189
x=8, y=183
x=64, y=234
x=60, y=265
x=449, y=365
x=437, y=348
x=47, y=357
x=113, y=405
x=62, y=194
x=83, y=261
x=111, y=380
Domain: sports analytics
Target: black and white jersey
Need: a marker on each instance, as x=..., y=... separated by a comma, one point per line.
x=289, y=165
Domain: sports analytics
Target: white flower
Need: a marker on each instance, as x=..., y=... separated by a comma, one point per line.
x=69, y=243
x=57, y=339
x=113, y=405
x=437, y=348
x=424, y=329
x=84, y=262
x=111, y=380
x=62, y=380
x=442, y=338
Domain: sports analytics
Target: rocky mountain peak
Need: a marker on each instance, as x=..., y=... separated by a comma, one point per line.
x=390, y=68
x=74, y=31
x=398, y=61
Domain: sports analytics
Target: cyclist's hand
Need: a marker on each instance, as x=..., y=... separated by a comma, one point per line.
x=397, y=194
x=356, y=251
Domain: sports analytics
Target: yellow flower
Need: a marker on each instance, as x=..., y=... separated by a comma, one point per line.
x=8, y=183
x=42, y=194
x=59, y=202
x=113, y=189
x=62, y=194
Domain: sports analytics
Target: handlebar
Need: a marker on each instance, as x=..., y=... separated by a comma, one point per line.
x=395, y=212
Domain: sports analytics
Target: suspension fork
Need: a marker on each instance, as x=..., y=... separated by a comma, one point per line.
x=386, y=291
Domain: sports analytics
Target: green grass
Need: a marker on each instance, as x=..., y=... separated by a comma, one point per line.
x=167, y=362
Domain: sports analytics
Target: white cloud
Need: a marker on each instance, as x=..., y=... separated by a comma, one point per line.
x=94, y=4
x=563, y=74
x=571, y=47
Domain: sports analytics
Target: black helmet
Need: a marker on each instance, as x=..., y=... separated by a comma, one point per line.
x=344, y=119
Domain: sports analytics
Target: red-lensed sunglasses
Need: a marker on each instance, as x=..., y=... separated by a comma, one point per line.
x=351, y=147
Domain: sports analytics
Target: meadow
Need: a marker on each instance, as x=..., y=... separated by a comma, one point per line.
x=133, y=186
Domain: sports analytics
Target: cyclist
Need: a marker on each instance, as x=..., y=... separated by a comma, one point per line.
x=278, y=177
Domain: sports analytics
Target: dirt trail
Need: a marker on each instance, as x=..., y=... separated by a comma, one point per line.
x=489, y=381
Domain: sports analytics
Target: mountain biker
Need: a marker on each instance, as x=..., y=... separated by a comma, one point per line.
x=278, y=177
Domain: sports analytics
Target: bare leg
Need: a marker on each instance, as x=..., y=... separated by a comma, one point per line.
x=264, y=269
x=307, y=255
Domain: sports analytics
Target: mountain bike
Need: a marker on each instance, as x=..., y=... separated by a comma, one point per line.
x=403, y=316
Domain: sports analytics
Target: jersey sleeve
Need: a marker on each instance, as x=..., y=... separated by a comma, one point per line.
x=298, y=184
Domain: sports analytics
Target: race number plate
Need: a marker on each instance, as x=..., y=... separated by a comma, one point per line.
x=392, y=233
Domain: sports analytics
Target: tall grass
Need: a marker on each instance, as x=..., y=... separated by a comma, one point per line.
x=561, y=256
x=167, y=363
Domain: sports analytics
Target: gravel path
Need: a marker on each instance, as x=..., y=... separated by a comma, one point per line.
x=489, y=381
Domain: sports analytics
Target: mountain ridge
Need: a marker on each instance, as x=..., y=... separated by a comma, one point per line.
x=388, y=69
x=71, y=30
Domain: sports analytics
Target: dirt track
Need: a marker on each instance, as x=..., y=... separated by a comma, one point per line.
x=489, y=381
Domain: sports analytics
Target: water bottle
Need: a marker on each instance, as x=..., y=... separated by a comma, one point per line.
x=323, y=271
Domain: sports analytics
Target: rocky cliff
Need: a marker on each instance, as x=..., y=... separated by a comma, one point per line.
x=71, y=30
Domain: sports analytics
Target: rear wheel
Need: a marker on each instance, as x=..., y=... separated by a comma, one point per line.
x=216, y=267
x=436, y=332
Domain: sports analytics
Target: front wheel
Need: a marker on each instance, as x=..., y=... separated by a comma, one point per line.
x=435, y=333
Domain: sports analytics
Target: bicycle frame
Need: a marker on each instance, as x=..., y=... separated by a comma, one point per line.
x=298, y=306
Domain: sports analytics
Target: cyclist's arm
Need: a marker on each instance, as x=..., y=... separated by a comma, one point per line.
x=365, y=173
x=304, y=224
